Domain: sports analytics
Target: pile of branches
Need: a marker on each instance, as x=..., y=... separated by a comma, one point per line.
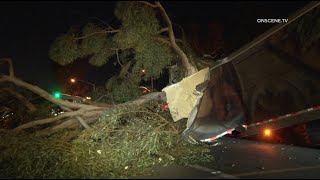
x=119, y=141
x=75, y=113
x=126, y=142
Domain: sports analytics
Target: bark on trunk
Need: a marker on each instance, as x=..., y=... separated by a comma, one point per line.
x=190, y=69
x=84, y=113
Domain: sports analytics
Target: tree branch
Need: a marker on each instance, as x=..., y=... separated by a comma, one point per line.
x=84, y=124
x=44, y=94
x=182, y=31
x=164, y=30
x=50, y=120
x=185, y=61
x=90, y=116
x=76, y=110
x=118, y=58
x=52, y=130
x=155, y=96
x=89, y=113
x=70, y=124
x=163, y=40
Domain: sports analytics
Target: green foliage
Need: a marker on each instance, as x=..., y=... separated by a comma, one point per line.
x=102, y=57
x=153, y=60
x=123, y=90
x=136, y=44
x=125, y=70
x=96, y=43
x=139, y=29
x=139, y=26
x=126, y=142
x=137, y=18
x=92, y=43
x=27, y=156
x=101, y=95
x=64, y=50
x=193, y=57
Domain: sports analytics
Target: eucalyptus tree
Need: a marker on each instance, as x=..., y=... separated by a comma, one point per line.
x=142, y=42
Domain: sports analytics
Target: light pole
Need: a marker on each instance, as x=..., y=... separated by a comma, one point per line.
x=73, y=80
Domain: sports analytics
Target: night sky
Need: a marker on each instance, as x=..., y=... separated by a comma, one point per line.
x=28, y=28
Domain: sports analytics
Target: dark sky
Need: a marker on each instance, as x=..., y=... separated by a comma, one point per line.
x=28, y=28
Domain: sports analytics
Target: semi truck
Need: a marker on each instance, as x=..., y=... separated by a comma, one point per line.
x=267, y=86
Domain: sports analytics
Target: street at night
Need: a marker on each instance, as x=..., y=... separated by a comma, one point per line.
x=243, y=159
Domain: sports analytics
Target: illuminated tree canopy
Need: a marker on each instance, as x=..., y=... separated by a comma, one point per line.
x=138, y=42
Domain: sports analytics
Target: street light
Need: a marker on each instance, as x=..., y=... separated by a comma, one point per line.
x=73, y=80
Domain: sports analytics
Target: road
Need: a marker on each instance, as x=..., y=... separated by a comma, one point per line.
x=239, y=158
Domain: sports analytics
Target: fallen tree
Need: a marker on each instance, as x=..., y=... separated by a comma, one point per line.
x=75, y=112
x=123, y=141
x=142, y=43
x=126, y=142
x=119, y=141
x=88, y=113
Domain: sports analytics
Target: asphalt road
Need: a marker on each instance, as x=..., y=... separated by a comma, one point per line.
x=238, y=158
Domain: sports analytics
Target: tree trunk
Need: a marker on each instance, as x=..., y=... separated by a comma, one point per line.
x=84, y=113
x=190, y=69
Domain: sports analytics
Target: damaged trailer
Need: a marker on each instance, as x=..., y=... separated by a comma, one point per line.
x=265, y=84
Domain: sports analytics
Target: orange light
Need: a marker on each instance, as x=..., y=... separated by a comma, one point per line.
x=267, y=132
x=72, y=80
